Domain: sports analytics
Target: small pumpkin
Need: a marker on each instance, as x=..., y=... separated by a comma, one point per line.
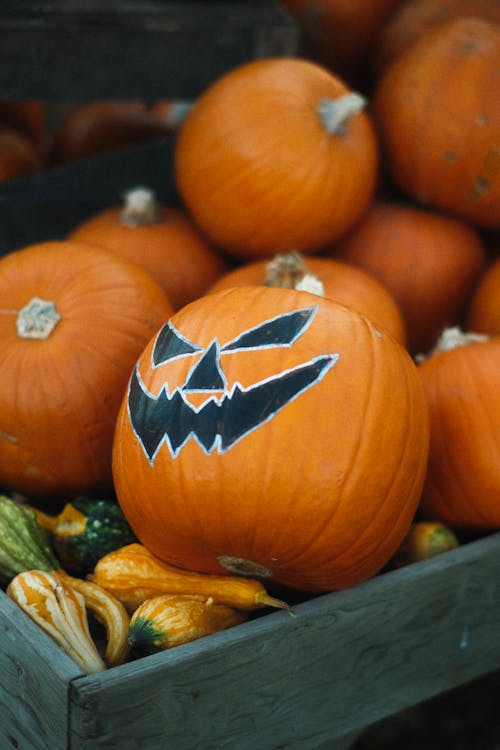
x=60, y=612
x=167, y=621
x=276, y=154
x=97, y=127
x=429, y=263
x=74, y=319
x=161, y=238
x=412, y=18
x=425, y=539
x=133, y=574
x=483, y=309
x=28, y=116
x=441, y=141
x=334, y=279
x=273, y=406
x=460, y=379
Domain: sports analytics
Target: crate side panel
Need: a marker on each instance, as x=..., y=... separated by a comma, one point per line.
x=34, y=679
x=343, y=662
x=81, y=49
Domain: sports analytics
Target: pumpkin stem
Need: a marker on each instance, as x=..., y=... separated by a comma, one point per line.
x=335, y=113
x=290, y=270
x=451, y=338
x=37, y=319
x=141, y=208
x=263, y=599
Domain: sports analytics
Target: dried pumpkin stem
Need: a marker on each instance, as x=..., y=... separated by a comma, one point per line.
x=37, y=319
x=335, y=113
x=289, y=270
x=141, y=208
x=451, y=338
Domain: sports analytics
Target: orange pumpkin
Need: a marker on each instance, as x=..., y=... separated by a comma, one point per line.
x=277, y=153
x=413, y=18
x=462, y=486
x=429, y=263
x=334, y=279
x=483, y=310
x=442, y=142
x=18, y=156
x=97, y=127
x=73, y=320
x=162, y=239
x=340, y=33
x=274, y=433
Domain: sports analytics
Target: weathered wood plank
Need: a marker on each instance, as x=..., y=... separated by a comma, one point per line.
x=79, y=49
x=34, y=678
x=345, y=661
x=49, y=204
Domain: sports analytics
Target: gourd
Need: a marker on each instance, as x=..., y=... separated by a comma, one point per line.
x=133, y=574
x=425, y=539
x=429, y=263
x=483, y=309
x=73, y=320
x=161, y=238
x=98, y=127
x=167, y=621
x=331, y=278
x=60, y=611
x=440, y=142
x=460, y=378
x=25, y=547
x=252, y=424
x=84, y=531
x=276, y=154
x=413, y=18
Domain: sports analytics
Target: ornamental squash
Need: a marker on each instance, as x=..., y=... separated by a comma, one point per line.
x=460, y=378
x=273, y=433
x=74, y=318
x=276, y=154
x=428, y=262
x=330, y=278
x=437, y=116
x=162, y=239
x=425, y=539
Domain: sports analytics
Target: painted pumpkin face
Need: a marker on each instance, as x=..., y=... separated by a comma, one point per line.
x=252, y=434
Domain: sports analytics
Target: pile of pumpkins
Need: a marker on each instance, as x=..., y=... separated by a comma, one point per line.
x=279, y=377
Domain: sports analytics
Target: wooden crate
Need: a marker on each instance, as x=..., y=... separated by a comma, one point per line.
x=344, y=661
x=86, y=49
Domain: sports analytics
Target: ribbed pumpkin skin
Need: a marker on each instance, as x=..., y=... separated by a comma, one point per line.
x=342, y=283
x=322, y=490
x=428, y=261
x=171, y=249
x=441, y=139
x=59, y=397
x=257, y=169
x=483, y=310
x=462, y=487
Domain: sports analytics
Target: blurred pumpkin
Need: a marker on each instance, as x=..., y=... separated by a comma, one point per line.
x=18, y=156
x=483, y=310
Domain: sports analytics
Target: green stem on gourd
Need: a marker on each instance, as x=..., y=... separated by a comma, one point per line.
x=335, y=113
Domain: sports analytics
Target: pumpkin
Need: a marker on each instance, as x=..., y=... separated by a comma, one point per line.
x=276, y=154
x=341, y=33
x=74, y=318
x=441, y=141
x=167, y=621
x=272, y=433
x=18, y=156
x=133, y=574
x=28, y=116
x=162, y=239
x=97, y=127
x=336, y=280
x=460, y=379
x=425, y=539
x=429, y=262
x=413, y=18
x=60, y=611
x=483, y=309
